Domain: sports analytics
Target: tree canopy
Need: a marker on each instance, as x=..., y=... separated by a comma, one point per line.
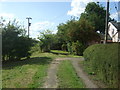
x=95, y=14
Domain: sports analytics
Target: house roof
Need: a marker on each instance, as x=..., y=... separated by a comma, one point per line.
x=116, y=24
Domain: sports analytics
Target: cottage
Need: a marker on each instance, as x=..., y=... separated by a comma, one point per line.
x=114, y=31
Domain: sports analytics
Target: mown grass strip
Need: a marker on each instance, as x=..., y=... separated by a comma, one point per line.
x=67, y=76
x=27, y=73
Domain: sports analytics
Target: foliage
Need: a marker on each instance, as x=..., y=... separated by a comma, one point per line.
x=103, y=59
x=81, y=31
x=35, y=47
x=69, y=47
x=14, y=44
x=78, y=48
x=95, y=14
x=64, y=47
x=47, y=40
x=67, y=76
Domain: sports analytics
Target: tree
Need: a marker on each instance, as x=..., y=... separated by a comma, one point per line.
x=95, y=14
x=47, y=39
x=83, y=32
x=15, y=44
x=77, y=35
x=63, y=32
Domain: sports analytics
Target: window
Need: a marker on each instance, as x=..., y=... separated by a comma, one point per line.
x=113, y=31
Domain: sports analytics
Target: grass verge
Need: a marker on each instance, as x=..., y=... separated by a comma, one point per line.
x=27, y=73
x=67, y=76
x=88, y=70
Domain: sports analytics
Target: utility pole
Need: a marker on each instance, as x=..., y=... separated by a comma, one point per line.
x=106, y=25
x=29, y=24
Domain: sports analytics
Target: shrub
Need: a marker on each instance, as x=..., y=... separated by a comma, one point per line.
x=78, y=48
x=69, y=47
x=64, y=47
x=103, y=60
x=36, y=48
x=15, y=44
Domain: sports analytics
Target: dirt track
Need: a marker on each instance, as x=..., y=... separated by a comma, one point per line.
x=51, y=79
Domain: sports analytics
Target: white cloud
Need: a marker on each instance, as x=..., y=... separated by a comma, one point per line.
x=10, y=17
x=38, y=27
x=7, y=15
x=78, y=7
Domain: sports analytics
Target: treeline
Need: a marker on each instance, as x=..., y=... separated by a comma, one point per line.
x=76, y=35
x=73, y=36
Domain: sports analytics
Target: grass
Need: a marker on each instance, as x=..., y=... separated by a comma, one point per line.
x=67, y=76
x=27, y=73
x=88, y=70
x=86, y=67
x=61, y=53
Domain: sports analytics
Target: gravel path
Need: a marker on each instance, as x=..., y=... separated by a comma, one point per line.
x=51, y=79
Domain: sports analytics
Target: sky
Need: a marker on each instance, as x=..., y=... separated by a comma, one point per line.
x=47, y=14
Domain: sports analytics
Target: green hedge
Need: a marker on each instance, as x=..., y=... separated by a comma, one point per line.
x=103, y=59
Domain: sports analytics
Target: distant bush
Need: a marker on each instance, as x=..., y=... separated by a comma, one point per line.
x=69, y=47
x=78, y=48
x=47, y=41
x=64, y=47
x=103, y=59
x=35, y=48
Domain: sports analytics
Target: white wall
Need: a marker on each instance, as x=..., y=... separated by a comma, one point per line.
x=112, y=31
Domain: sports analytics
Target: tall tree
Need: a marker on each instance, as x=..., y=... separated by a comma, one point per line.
x=83, y=32
x=95, y=14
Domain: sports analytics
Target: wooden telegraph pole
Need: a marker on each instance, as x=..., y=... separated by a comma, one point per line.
x=106, y=25
x=29, y=24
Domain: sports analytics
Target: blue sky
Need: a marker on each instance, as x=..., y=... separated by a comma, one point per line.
x=46, y=15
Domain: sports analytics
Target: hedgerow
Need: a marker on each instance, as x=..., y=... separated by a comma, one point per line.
x=103, y=59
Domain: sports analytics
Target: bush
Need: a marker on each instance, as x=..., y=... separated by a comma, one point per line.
x=64, y=47
x=78, y=48
x=35, y=48
x=15, y=45
x=69, y=48
x=103, y=60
